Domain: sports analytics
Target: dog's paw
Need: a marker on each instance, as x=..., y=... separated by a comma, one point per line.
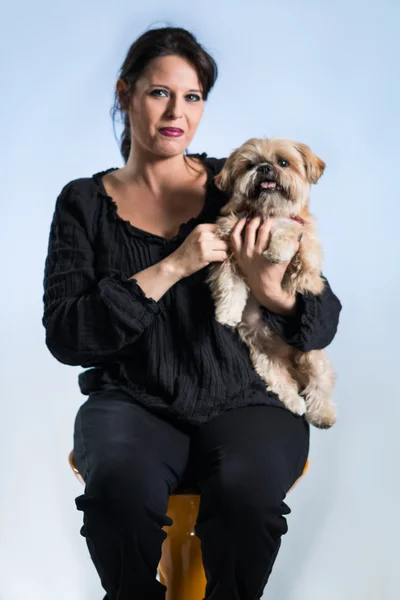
x=295, y=404
x=324, y=418
x=226, y=319
x=232, y=324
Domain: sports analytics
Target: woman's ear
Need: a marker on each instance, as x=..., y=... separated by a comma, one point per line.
x=122, y=89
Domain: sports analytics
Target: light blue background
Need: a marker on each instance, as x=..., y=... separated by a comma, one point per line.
x=323, y=73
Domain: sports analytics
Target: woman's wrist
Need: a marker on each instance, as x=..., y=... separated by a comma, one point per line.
x=286, y=305
x=157, y=279
x=171, y=269
x=277, y=301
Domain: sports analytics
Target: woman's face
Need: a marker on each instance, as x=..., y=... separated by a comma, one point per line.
x=166, y=106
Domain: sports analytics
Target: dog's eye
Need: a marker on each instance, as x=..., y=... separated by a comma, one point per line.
x=283, y=163
x=249, y=166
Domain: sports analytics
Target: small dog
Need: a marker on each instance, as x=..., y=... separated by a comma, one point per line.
x=272, y=177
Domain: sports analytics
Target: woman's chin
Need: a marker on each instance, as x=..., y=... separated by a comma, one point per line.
x=170, y=148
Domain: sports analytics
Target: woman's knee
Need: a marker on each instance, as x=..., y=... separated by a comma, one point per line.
x=126, y=485
x=249, y=501
x=247, y=486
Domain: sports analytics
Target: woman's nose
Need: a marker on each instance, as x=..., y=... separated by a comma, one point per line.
x=175, y=108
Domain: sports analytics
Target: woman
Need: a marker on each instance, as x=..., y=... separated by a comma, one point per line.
x=173, y=398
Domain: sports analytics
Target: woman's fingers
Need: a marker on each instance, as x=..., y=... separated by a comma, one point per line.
x=251, y=234
x=219, y=256
x=236, y=235
x=218, y=244
x=263, y=235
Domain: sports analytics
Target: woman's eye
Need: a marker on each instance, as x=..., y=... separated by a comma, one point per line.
x=193, y=97
x=164, y=94
x=283, y=163
x=156, y=93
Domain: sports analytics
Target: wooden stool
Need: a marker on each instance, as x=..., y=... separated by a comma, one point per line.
x=181, y=567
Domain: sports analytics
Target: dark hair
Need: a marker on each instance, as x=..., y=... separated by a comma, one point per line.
x=166, y=41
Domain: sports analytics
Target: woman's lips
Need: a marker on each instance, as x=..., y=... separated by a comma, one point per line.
x=171, y=131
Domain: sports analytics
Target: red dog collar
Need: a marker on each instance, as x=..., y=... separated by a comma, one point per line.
x=298, y=219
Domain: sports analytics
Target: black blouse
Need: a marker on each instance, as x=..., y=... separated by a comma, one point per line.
x=171, y=356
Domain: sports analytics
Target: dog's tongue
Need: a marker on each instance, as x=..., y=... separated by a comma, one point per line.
x=268, y=184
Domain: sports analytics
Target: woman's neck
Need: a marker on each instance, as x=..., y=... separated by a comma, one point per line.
x=155, y=173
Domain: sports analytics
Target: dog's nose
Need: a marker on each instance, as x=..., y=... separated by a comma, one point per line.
x=265, y=169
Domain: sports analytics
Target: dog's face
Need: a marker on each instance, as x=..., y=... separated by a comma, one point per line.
x=269, y=177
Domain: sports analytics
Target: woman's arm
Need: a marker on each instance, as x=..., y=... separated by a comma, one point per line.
x=314, y=322
x=87, y=320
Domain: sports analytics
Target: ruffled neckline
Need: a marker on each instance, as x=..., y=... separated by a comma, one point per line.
x=184, y=228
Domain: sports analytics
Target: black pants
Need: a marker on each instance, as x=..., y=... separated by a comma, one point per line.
x=243, y=461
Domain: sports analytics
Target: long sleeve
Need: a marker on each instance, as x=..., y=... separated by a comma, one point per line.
x=87, y=320
x=315, y=323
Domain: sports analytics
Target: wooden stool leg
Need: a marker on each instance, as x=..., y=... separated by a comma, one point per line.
x=181, y=567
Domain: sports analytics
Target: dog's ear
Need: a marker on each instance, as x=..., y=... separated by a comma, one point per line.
x=314, y=166
x=225, y=179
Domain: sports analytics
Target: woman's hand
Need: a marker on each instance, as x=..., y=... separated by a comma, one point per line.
x=202, y=246
x=263, y=277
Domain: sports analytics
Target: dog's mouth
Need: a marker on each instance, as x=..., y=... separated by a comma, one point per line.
x=256, y=199
x=269, y=185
